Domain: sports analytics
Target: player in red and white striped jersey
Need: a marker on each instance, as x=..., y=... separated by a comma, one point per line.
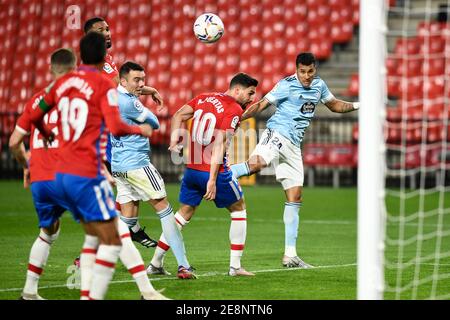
x=39, y=171
x=86, y=101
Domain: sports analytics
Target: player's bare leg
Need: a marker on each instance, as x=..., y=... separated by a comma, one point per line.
x=173, y=235
x=291, y=223
x=129, y=214
x=238, y=234
x=182, y=218
x=38, y=258
x=253, y=165
x=109, y=247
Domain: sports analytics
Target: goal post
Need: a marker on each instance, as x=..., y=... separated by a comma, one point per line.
x=371, y=159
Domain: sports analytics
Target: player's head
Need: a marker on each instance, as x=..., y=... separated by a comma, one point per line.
x=62, y=60
x=93, y=49
x=243, y=89
x=99, y=25
x=306, y=68
x=132, y=77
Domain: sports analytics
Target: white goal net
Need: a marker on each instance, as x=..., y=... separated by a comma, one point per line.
x=411, y=244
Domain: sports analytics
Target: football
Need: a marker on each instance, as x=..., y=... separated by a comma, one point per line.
x=208, y=28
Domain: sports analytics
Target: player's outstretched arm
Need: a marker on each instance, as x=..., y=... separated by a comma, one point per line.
x=341, y=106
x=146, y=90
x=183, y=114
x=255, y=109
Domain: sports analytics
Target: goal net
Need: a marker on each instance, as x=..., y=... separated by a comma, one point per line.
x=410, y=221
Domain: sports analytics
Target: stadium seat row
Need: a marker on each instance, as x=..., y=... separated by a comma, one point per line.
x=258, y=33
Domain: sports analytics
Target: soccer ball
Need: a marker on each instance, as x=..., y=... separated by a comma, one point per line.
x=208, y=28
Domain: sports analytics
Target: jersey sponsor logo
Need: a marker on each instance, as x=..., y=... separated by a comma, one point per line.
x=112, y=97
x=308, y=107
x=117, y=144
x=119, y=174
x=291, y=78
x=107, y=68
x=234, y=122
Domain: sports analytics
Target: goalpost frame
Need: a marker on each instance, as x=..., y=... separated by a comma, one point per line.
x=371, y=164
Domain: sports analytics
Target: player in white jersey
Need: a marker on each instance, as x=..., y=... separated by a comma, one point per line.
x=136, y=178
x=295, y=98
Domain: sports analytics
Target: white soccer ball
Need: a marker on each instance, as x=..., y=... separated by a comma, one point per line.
x=208, y=28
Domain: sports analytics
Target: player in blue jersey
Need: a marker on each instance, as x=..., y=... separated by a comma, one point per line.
x=295, y=98
x=136, y=178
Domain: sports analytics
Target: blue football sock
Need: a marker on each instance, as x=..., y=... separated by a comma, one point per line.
x=291, y=222
x=240, y=169
x=173, y=235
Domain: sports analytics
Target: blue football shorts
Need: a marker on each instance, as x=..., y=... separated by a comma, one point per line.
x=89, y=199
x=48, y=201
x=193, y=188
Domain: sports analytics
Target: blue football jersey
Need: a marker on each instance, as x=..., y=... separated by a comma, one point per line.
x=295, y=106
x=132, y=152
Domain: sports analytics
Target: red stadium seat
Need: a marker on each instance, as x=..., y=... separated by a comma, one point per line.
x=321, y=48
x=407, y=46
x=353, y=86
x=315, y=154
x=393, y=86
x=434, y=67
x=434, y=88
x=342, y=155
x=432, y=44
x=410, y=66
x=429, y=29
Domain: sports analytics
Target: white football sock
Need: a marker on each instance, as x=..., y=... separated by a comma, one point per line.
x=38, y=258
x=103, y=271
x=132, y=259
x=87, y=260
x=238, y=233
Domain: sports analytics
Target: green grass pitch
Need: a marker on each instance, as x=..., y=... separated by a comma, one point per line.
x=327, y=240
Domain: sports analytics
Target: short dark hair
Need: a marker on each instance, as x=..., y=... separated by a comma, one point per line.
x=63, y=57
x=89, y=23
x=93, y=48
x=128, y=66
x=244, y=80
x=306, y=59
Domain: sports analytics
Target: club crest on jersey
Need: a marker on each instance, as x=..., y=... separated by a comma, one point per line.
x=138, y=105
x=107, y=67
x=308, y=107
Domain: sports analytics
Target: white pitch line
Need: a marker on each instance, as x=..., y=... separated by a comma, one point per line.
x=204, y=275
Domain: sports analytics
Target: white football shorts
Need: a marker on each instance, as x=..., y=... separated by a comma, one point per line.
x=139, y=185
x=286, y=158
